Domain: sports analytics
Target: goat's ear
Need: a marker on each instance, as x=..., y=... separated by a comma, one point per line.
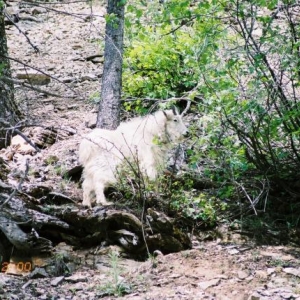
x=168, y=114
x=175, y=110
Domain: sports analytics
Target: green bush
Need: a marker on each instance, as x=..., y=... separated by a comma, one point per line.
x=241, y=59
x=160, y=65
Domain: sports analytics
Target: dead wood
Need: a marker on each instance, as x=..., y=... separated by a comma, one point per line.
x=34, y=222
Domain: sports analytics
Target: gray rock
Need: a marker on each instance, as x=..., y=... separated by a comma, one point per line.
x=34, y=77
x=77, y=278
x=56, y=281
x=207, y=284
x=292, y=271
x=38, y=10
x=38, y=273
x=242, y=275
x=89, y=77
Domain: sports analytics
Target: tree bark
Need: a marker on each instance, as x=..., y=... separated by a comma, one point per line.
x=9, y=113
x=109, y=108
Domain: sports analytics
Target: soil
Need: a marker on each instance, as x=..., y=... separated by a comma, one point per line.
x=68, y=36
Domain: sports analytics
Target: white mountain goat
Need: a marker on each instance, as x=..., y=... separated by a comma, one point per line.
x=143, y=139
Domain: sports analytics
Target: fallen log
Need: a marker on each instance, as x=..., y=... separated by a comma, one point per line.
x=35, y=223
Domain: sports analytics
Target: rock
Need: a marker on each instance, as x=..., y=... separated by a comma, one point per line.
x=38, y=273
x=73, y=106
x=233, y=251
x=271, y=271
x=287, y=295
x=210, y=283
x=43, y=137
x=157, y=253
x=94, y=56
x=98, y=60
x=242, y=275
x=261, y=274
x=292, y=271
x=77, y=278
x=59, y=199
x=77, y=46
x=56, y=281
x=91, y=122
x=4, y=168
x=74, y=173
x=38, y=10
x=255, y=296
x=34, y=77
x=89, y=77
x=68, y=79
x=4, y=279
x=21, y=146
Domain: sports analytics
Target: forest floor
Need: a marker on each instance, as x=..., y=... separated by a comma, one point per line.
x=69, y=38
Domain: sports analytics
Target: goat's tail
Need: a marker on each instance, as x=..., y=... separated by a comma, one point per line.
x=86, y=151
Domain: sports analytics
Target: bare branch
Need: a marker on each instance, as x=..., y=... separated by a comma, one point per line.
x=39, y=70
x=19, y=185
x=35, y=48
x=31, y=87
x=188, y=105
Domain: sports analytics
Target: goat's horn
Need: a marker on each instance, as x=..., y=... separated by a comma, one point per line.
x=175, y=110
x=188, y=105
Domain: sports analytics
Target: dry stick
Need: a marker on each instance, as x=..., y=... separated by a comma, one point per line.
x=31, y=87
x=63, y=12
x=20, y=126
x=51, y=3
x=248, y=197
x=39, y=70
x=19, y=185
x=36, y=49
x=26, y=139
x=14, y=129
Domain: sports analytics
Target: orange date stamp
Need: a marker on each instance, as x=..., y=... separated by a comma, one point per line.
x=20, y=266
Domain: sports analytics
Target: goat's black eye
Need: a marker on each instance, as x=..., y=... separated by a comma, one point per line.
x=175, y=120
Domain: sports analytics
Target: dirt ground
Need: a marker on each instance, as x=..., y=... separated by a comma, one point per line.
x=69, y=38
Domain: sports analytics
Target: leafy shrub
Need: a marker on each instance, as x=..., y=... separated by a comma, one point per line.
x=160, y=65
x=242, y=58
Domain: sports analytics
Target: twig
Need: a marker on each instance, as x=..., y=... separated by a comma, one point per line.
x=19, y=185
x=248, y=197
x=183, y=23
x=51, y=3
x=31, y=87
x=39, y=70
x=27, y=139
x=36, y=49
x=14, y=129
x=80, y=16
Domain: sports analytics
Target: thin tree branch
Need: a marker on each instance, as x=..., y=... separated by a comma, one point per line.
x=31, y=87
x=39, y=70
x=19, y=185
x=35, y=48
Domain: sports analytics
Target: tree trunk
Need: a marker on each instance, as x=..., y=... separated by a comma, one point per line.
x=9, y=113
x=109, y=109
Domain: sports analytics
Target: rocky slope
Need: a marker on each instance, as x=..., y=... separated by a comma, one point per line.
x=69, y=40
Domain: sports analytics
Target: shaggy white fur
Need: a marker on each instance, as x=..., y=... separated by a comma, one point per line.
x=145, y=139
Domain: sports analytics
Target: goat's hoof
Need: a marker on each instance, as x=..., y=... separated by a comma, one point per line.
x=105, y=203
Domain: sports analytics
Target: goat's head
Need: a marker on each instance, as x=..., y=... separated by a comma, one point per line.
x=175, y=127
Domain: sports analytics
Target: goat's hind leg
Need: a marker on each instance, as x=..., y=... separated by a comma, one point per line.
x=100, y=197
x=87, y=187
